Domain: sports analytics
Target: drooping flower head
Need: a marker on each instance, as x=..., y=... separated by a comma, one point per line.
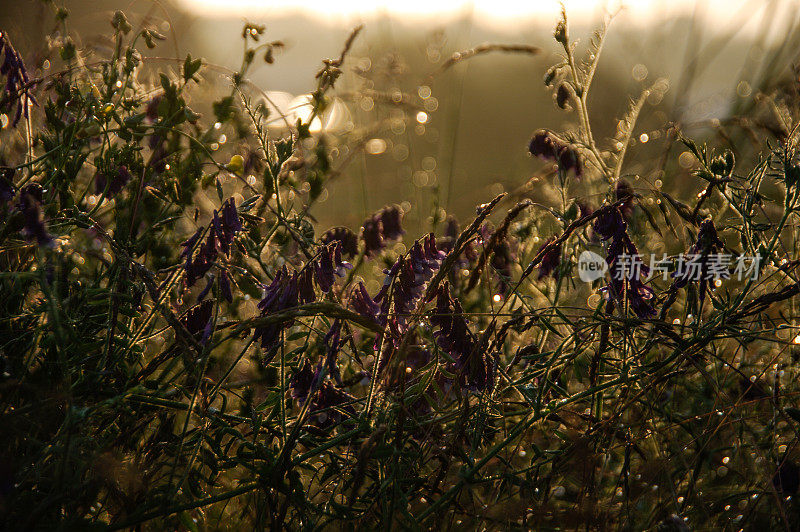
x=30, y=205
x=707, y=244
x=380, y=227
x=551, y=260
x=225, y=223
x=346, y=238
x=281, y=294
x=621, y=250
x=548, y=147
x=475, y=367
x=115, y=184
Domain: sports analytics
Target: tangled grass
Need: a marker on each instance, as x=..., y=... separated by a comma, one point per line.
x=184, y=347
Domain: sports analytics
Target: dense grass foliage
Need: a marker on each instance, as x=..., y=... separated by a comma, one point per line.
x=183, y=346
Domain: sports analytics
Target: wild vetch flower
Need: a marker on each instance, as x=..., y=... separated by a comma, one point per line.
x=345, y=237
x=305, y=286
x=381, y=226
x=391, y=220
x=624, y=191
x=551, y=260
x=454, y=337
x=17, y=91
x=610, y=224
x=221, y=233
x=30, y=205
x=371, y=235
x=302, y=381
x=708, y=243
x=151, y=111
x=548, y=147
x=118, y=180
x=418, y=268
x=225, y=286
x=330, y=397
x=328, y=265
x=623, y=288
x=197, y=318
x=361, y=302
x=281, y=294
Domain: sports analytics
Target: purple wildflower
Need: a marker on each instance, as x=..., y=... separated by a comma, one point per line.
x=328, y=265
x=346, y=238
x=221, y=234
x=197, y=318
x=302, y=381
x=331, y=398
x=281, y=294
x=304, y=388
x=624, y=191
x=391, y=220
x=708, y=243
x=305, y=286
x=118, y=180
x=30, y=205
x=203, y=293
x=361, y=302
x=225, y=286
x=611, y=225
x=17, y=91
x=551, y=260
x=548, y=147
x=418, y=268
x=455, y=337
x=381, y=226
x=151, y=110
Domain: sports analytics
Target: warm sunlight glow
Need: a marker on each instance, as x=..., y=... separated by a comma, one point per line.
x=486, y=11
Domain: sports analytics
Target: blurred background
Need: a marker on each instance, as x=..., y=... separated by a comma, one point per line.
x=402, y=130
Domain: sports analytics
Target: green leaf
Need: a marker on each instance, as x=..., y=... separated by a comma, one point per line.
x=190, y=68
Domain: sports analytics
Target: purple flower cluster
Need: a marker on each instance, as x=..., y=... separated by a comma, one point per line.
x=548, y=147
x=115, y=184
x=287, y=290
x=623, y=191
x=197, y=320
x=224, y=225
x=422, y=262
x=304, y=386
x=281, y=294
x=551, y=260
x=380, y=227
x=346, y=238
x=30, y=205
x=475, y=367
x=403, y=288
x=17, y=91
x=611, y=226
x=708, y=243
